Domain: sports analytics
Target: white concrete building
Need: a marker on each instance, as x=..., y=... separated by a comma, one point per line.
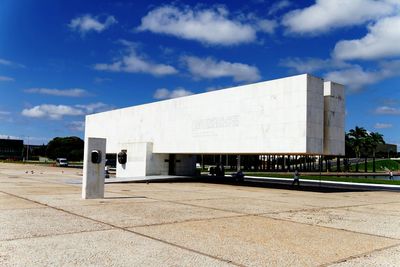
x=297, y=115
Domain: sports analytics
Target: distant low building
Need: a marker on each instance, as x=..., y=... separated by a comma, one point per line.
x=386, y=150
x=11, y=149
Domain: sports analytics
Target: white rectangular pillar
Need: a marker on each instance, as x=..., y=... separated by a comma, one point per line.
x=93, y=173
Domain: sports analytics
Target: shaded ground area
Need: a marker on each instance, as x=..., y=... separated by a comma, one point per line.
x=191, y=223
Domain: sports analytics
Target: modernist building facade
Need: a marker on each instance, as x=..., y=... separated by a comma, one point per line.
x=298, y=115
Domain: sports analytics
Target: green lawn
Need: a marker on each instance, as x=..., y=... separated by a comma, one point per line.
x=326, y=178
x=382, y=165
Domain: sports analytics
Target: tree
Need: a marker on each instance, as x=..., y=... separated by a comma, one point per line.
x=70, y=148
x=374, y=139
x=357, y=138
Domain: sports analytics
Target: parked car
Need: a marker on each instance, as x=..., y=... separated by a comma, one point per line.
x=62, y=162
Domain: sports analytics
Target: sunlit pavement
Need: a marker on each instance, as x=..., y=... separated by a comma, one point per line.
x=44, y=221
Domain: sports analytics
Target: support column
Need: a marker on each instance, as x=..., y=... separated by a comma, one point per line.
x=238, y=164
x=93, y=169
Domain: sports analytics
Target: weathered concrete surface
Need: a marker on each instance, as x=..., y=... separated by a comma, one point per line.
x=256, y=241
x=44, y=222
x=105, y=248
x=382, y=258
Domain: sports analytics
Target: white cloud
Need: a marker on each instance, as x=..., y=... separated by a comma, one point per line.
x=6, y=79
x=210, y=68
x=134, y=63
x=210, y=26
x=87, y=23
x=10, y=63
x=355, y=77
x=4, y=113
x=56, y=112
x=53, y=112
x=386, y=110
x=163, y=93
x=78, y=126
x=73, y=92
x=95, y=107
x=379, y=125
x=326, y=15
x=267, y=26
x=382, y=40
x=278, y=6
x=310, y=65
x=5, y=62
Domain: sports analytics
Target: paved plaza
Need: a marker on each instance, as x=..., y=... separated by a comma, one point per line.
x=44, y=221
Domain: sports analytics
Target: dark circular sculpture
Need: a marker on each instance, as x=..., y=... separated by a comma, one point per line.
x=122, y=157
x=95, y=156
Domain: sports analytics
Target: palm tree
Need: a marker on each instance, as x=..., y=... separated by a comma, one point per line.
x=374, y=139
x=357, y=138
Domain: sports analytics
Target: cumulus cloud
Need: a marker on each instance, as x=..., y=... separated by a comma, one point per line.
x=210, y=26
x=382, y=41
x=163, y=93
x=73, y=92
x=386, y=110
x=78, y=126
x=326, y=15
x=278, y=6
x=353, y=76
x=95, y=107
x=133, y=63
x=53, y=112
x=379, y=125
x=310, y=65
x=267, y=26
x=56, y=112
x=6, y=79
x=86, y=23
x=210, y=68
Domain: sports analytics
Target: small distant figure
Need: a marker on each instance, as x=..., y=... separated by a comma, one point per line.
x=239, y=176
x=296, y=178
x=107, y=171
x=390, y=175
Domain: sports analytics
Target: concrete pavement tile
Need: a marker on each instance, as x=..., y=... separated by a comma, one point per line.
x=147, y=213
x=105, y=248
x=383, y=258
x=63, y=200
x=183, y=195
x=371, y=196
x=42, y=190
x=8, y=202
x=259, y=241
x=352, y=219
x=25, y=223
x=245, y=205
x=319, y=200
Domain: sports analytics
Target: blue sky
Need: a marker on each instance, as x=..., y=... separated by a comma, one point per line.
x=61, y=60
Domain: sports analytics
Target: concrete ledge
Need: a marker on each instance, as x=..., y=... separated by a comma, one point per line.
x=146, y=178
x=330, y=184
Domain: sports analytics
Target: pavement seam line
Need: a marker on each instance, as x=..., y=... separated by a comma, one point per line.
x=53, y=235
x=265, y=215
x=131, y=231
x=360, y=255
